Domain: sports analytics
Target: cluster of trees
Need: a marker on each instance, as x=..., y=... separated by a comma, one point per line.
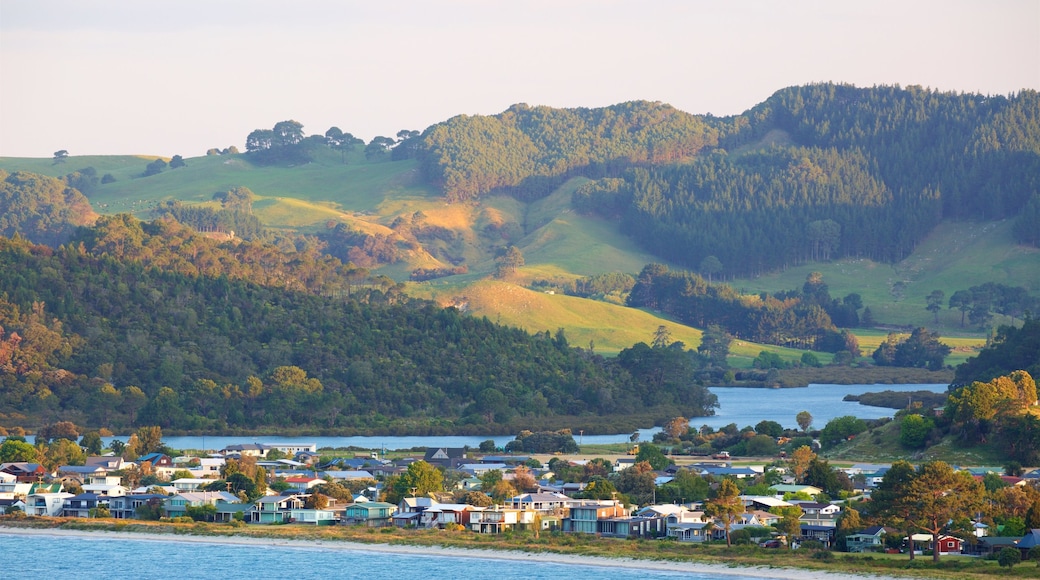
x=45, y=210
x=158, y=165
x=529, y=150
x=799, y=319
x=769, y=209
x=1011, y=348
x=921, y=349
x=844, y=186
x=242, y=224
x=980, y=302
x=149, y=322
x=561, y=441
x=287, y=143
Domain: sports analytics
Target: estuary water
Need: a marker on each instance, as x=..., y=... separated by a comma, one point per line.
x=103, y=558
x=742, y=406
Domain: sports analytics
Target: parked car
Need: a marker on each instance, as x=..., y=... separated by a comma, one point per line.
x=771, y=544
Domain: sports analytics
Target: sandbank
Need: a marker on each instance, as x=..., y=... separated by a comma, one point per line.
x=490, y=554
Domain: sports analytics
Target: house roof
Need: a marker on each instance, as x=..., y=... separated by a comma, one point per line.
x=444, y=453
x=1031, y=539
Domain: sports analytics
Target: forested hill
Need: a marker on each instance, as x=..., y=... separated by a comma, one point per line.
x=133, y=324
x=813, y=173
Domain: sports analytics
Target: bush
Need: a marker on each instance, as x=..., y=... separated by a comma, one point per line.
x=823, y=555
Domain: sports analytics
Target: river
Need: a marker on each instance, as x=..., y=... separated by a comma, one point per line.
x=742, y=406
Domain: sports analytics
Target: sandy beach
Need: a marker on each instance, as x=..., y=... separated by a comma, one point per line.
x=515, y=556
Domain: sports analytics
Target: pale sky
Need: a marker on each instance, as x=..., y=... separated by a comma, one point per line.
x=166, y=78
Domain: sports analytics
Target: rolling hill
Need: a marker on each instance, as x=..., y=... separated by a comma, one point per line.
x=560, y=244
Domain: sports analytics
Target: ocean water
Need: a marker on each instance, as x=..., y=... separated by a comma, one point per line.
x=103, y=558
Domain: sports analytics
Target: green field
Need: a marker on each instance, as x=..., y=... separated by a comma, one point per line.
x=557, y=244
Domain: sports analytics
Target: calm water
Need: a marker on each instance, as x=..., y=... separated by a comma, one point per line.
x=105, y=557
x=736, y=405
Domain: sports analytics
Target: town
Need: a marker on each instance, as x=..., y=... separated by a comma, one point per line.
x=464, y=489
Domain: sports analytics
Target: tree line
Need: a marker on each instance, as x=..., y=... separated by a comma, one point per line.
x=798, y=319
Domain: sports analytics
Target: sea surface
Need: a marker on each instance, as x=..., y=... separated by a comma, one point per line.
x=103, y=558
x=742, y=406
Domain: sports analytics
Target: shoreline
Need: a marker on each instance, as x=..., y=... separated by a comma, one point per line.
x=490, y=554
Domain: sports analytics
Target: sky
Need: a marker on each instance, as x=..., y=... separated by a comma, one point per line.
x=126, y=77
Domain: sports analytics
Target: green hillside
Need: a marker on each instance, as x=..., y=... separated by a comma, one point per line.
x=557, y=243
x=955, y=256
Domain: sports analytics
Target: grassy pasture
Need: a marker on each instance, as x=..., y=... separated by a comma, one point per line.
x=956, y=256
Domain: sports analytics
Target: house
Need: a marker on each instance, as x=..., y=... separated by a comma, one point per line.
x=871, y=539
x=24, y=472
x=784, y=488
x=291, y=449
x=695, y=532
x=443, y=514
x=498, y=519
x=823, y=534
x=46, y=503
x=479, y=469
x=349, y=475
x=593, y=516
x=177, y=505
x=302, y=484
x=9, y=505
x=623, y=463
x=726, y=471
x=374, y=514
x=819, y=514
x=80, y=506
x=107, y=462
x=322, y=517
x=763, y=502
x=409, y=511
x=447, y=457
x=275, y=509
x=947, y=544
x=540, y=502
x=241, y=449
x=125, y=507
x=15, y=489
x=190, y=483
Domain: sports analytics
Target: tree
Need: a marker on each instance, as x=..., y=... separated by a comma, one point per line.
x=867, y=320
x=725, y=505
x=710, y=265
x=1008, y=557
x=60, y=156
x=155, y=167
x=653, y=455
x=15, y=451
x=938, y=494
x=848, y=523
x=841, y=429
x=677, y=427
x=478, y=499
x=913, y=431
x=790, y=524
x=715, y=344
x=804, y=420
x=961, y=300
x=91, y=442
x=177, y=161
x=420, y=479
x=487, y=446
x=935, y=302
x=890, y=501
x=771, y=428
x=509, y=262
